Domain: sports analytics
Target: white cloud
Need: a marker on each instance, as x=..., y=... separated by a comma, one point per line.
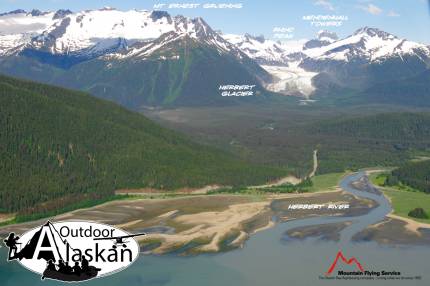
x=325, y=4
x=393, y=14
x=371, y=9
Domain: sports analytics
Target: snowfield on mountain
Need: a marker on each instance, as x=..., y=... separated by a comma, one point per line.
x=161, y=50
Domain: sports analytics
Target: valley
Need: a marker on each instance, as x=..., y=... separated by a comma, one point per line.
x=244, y=145
x=283, y=133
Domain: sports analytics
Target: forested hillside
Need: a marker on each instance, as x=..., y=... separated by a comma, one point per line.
x=412, y=91
x=390, y=126
x=386, y=139
x=59, y=147
x=413, y=174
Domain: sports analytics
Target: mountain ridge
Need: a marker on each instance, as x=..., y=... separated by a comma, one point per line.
x=167, y=60
x=110, y=43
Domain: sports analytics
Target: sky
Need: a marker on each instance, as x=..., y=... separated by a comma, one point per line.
x=275, y=19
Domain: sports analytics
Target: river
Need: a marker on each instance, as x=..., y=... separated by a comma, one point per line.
x=268, y=258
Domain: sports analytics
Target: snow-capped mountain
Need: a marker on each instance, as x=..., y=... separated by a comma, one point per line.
x=367, y=44
x=181, y=28
x=269, y=52
x=282, y=60
x=324, y=38
x=18, y=27
x=368, y=55
x=70, y=48
x=258, y=48
x=132, y=57
x=97, y=32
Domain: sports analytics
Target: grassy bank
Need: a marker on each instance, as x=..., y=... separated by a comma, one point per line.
x=326, y=182
x=403, y=199
x=20, y=218
x=319, y=183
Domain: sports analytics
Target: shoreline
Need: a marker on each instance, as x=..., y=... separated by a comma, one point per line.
x=199, y=223
x=212, y=223
x=411, y=224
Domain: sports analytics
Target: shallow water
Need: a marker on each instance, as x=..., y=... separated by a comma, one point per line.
x=267, y=259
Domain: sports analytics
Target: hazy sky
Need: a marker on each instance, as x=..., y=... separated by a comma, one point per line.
x=404, y=18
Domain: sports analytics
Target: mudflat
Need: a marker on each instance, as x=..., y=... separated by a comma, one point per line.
x=203, y=223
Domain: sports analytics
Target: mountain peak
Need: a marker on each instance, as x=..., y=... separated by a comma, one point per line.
x=202, y=28
x=259, y=39
x=373, y=32
x=17, y=11
x=157, y=15
x=325, y=35
x=107, y=8
x=324, y=38
x=61, y=13
x=36, y=12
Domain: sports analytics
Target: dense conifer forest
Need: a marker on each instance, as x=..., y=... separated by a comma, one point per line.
x=59, y=147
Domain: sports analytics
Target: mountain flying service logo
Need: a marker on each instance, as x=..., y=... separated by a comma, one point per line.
x=73, y=251
x=351, y=261
x=352, y=269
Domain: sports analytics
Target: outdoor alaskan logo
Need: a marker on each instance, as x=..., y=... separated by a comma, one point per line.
x=73, y=251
